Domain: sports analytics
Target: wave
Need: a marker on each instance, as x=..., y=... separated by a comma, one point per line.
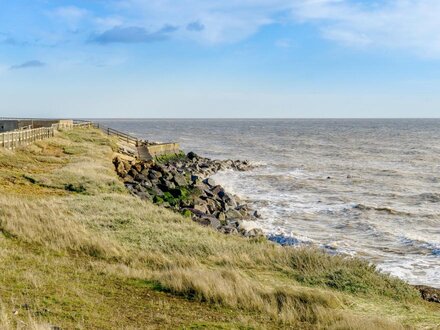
x=422, y=246
x=429, y=197
x=385, y=209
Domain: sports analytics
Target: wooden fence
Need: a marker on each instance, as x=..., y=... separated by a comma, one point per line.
x=124, y=137
x=14, y=139
x=24, y=137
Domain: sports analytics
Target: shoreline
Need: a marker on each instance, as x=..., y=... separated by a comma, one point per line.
x=183, y=183
x=69, y=223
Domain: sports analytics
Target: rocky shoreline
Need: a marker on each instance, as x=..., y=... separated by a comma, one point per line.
x=182, y=183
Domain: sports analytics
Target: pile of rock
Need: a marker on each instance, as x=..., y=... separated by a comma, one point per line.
x=182, y=183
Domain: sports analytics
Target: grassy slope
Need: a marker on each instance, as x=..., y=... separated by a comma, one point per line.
x=76, y=250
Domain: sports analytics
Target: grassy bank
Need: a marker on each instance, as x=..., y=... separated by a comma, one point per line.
x=78, y=251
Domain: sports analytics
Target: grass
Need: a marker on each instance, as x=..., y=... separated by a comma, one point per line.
x=78, y=251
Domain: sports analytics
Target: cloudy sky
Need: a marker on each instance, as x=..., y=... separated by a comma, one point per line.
x=220, y=58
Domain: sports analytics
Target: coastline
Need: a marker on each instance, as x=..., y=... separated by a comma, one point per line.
x=73, y=236
x=183, y=184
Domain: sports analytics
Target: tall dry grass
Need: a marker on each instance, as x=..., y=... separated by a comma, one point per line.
x=13, y=320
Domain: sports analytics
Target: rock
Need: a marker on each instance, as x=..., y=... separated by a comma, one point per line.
x=128, y=179
x=156, y=191
x=191, y=155
x=243, y=213
x=147, y=184
x=208, y=193
x=166, y=185
x=229, y=230
x=201, y=207
x=180, y=180
x=428, y=293
x=217, y=189
x=208, y=221
x=154, y=175
x=215, y=223
x=213, y=206
x=140, y=178
x=233, y=214
x=210, y=182
x=221, y=216
x=132, y=172
x=237, y=223
x=138, y=167
x=254, y=233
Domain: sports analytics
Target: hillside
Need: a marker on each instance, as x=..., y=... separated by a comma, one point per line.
x=77, y=251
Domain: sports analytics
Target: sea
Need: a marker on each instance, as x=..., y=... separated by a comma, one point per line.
x=362, y=187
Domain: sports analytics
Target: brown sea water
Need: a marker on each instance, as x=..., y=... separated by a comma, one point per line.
x=365, y=187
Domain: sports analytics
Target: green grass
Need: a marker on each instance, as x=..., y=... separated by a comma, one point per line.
x=78, y=251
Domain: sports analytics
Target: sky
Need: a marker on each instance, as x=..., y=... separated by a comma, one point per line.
x=219, y=58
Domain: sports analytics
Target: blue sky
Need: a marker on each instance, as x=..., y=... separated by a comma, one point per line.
x=220, y=58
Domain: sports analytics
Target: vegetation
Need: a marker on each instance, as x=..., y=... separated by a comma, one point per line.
x=79, y=252
x=171, y=157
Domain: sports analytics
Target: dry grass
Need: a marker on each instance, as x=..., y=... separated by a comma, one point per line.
x=62, y=201
x=22, y=322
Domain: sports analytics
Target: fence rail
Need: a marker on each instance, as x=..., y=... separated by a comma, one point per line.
x=23, y=137
x=14, y=139
x=120, y=135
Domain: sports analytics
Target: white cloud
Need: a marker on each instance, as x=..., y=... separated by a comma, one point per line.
x=411, y=25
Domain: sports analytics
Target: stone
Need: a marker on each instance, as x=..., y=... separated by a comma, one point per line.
x=191, y=155
x=132, y=172
x=208, y=193
x=154, y=175
x=214, y=222
x=217, y=189
x=254, y=233
x=146, y=184
x=221, y=216
x=202, y=221
x=210, y=182
x=156, y=191
x=232, y=214
x=213, y=206
x=166, y=185
x=180, y=180
x=128, y=179
x=228, y=230
x=237, y=223
x=428, y=293
x=140, y=177
x=127, y=165
x=138, y=167
x=201, y=207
